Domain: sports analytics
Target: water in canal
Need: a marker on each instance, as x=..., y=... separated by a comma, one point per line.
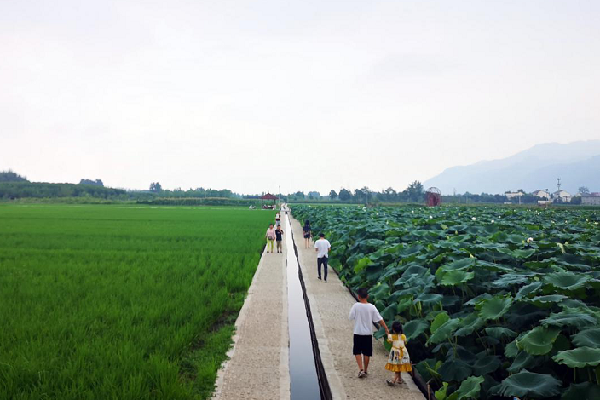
x=304, y=381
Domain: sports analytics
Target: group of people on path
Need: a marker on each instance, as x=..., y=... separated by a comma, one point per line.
x=275, y=235
x=364, y=316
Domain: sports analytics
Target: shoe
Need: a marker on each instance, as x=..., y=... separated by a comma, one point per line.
x=319, y=278
x=390, y=383
x=362, y=374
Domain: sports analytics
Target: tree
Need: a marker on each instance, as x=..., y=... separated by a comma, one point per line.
x=345, y=195
x=10, y=176
x=332, y=194
x=155, y=187
x=299, y=194
x=584, y=190
x=97, y=182
x=415, y=191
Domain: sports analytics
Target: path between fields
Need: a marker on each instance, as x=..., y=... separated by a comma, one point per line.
x=258, y=365
x=330, y=304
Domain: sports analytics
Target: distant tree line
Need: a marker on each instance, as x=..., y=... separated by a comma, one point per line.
x=18, y=190
x=413, y=193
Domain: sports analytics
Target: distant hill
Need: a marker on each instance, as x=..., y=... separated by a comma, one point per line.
x=577, y=164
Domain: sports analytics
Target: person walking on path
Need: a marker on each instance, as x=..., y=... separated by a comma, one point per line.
x=278, y=237
x=277, y=219
x=306, y=234
x=322, y=247
x=270, y=238
x=364, y=315
x=398, y=360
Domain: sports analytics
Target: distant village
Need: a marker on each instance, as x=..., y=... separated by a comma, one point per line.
x=583, y=197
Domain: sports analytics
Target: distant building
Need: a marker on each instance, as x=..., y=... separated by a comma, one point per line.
x=592, y=199
x=561, y=196
x=542, y=194
x=509, y=195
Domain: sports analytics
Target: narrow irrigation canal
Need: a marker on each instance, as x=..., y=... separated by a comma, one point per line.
x=303, y=375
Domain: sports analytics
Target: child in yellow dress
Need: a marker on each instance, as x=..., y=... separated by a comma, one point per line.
x=399, y=360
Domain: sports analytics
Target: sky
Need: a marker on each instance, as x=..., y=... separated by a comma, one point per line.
x=258, y=96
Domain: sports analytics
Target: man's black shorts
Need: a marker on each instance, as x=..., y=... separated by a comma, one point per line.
x=363, y=344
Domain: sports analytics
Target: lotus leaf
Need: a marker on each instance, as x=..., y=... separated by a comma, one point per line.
x=486, y=364
x=582, y=391
x=511, y=349
x=465, y=263
x=588, y=337
x=469, y=389
x=454, y=370
x=567, y=280
x=442, y=393
x=549, y=298
x=579, y=357
x=412, y=329
x=444, y=331
x=528, y=384
x=438, y=321
x=509, y=280
x=470, y=324
x=429, y=298
x=500, y=332
x=523, y=254
x=454, y=278
x=538, y=341
x=478, y=299
x=528, y=289
x=494, y=308
x=522, y=360
x=570, y=317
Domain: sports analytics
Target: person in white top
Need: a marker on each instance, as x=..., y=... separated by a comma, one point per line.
x=322, y=247
x=364, y=315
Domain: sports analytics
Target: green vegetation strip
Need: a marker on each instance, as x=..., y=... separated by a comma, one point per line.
x=495, y=301
x=101, y=302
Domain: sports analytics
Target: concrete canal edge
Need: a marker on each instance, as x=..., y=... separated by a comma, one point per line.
x=258, y=362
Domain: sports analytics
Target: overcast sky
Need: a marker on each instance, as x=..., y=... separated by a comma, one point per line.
x=309, y=95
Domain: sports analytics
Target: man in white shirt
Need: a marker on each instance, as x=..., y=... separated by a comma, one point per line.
x=322, y=247
x=364, y=315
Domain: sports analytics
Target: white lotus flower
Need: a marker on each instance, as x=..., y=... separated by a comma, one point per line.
x=492, y=221
x=430, y=217
x=530, y=240
x=473, y=219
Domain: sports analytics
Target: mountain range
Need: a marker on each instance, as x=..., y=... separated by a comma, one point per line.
x=576, y=164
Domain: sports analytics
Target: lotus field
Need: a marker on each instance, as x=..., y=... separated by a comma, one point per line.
x=113, y=302
x=496, y=302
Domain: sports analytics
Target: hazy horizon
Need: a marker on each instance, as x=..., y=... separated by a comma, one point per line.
x=303, y=95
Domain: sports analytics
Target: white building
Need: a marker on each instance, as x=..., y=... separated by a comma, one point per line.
x=561, y=196
x=509, y=195
x=590, y=199
x=542, y=193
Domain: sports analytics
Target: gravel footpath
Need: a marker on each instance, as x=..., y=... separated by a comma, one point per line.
x=330, y=304
x=258, y=365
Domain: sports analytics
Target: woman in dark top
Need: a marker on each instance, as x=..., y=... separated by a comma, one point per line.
x=306, y=234
x=278, y=237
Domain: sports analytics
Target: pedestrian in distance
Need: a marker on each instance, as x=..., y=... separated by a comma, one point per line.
x=364, y=315
x=270, y=238
x=277, y=219
x=398, y=360
x=306, y=234
x=278, y=238
x=322, y=247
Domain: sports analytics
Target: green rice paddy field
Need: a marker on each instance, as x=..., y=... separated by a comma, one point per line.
x=107, y=302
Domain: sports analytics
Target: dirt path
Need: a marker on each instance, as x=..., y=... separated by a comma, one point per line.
x=258, y=367
x=330, y=304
